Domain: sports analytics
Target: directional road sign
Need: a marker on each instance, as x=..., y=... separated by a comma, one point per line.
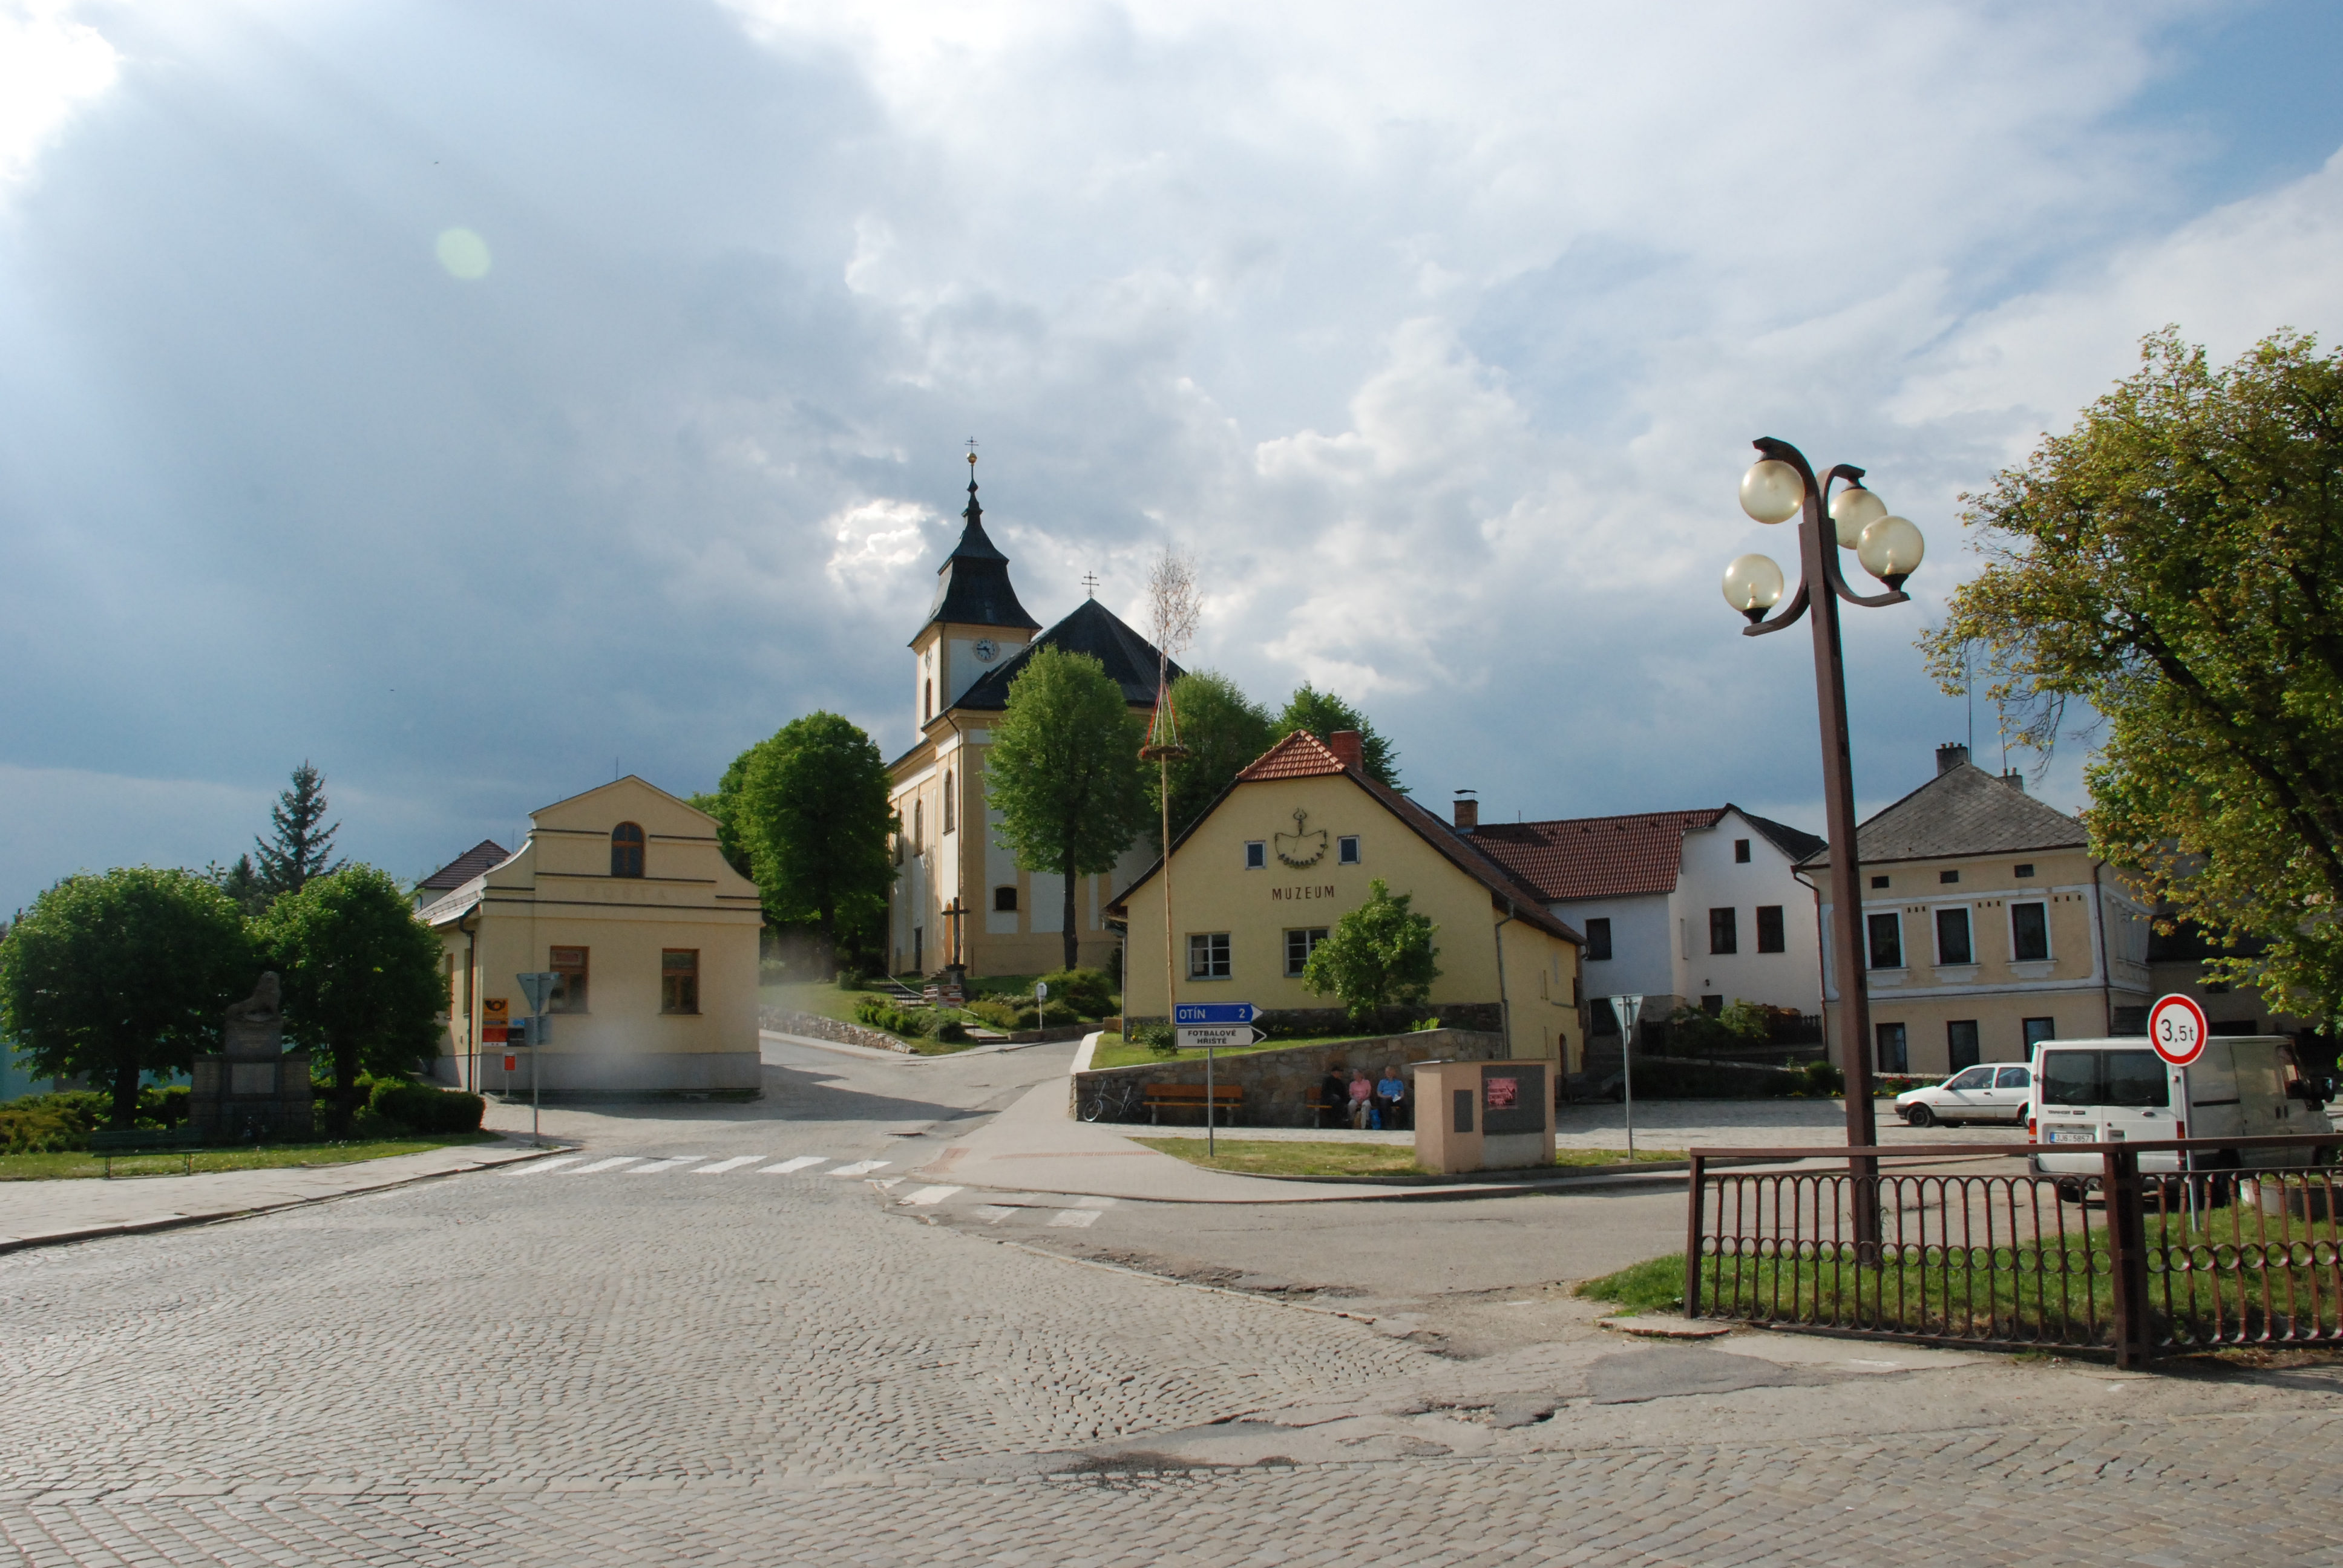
x=2176, y=1026
x=1189, y=1012
x=1219, y=1036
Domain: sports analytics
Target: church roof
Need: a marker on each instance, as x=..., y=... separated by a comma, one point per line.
x=972, y=586
x=1092, y=629
x=1962, y=810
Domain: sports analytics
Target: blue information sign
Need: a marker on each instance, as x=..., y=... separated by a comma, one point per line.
x=1214, y=1012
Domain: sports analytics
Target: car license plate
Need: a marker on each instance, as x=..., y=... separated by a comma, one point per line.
x=2071, y=1135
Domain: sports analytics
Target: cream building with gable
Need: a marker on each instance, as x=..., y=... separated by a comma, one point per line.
x=624, y=893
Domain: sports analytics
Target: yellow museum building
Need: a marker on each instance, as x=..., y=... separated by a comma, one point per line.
x=624, y=893
x=1293, y=846
x=958, y=897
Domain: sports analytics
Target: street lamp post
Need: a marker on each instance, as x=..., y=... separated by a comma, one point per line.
x=1778, y=487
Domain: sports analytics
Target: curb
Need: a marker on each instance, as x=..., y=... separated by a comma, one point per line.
x=178, y=1222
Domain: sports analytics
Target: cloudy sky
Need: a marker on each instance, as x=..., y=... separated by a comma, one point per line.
x=472, y=398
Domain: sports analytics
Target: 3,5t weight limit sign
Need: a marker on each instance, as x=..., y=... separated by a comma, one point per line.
x=2177, y=1027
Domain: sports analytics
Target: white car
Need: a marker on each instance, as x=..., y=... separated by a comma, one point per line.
x=1993, y=1092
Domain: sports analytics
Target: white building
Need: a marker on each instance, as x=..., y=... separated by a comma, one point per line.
x=1682, y=908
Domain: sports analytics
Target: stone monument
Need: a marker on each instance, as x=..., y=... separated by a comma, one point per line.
x=253, y=1091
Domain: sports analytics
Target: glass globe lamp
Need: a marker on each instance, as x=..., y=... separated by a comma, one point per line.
x=1753, y=585
x=1890, y=549
x=1771, y=491
x=1854, y=509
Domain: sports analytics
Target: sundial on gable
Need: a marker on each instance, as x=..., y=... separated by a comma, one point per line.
x=1302, y=846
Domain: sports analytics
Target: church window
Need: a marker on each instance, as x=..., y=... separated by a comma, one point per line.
x=919, y=826
x=926, y=700
x=951, y=810
x=627, y=850
x=1004, y=899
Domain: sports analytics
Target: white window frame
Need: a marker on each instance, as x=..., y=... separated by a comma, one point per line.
x=1347, y=851
x=1936, y=940
x=1256, y=852
x=1311, y=936
x=1226, y=955
x=2049, y=949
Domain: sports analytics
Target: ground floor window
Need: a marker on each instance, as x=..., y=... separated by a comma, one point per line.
x=1893, y=1056
x=679, y=979
x=1004, y=899
x=1300, y=945
x=1208, y=955
x=569, y=989
x=2038, y=1030
x=1961, y=1043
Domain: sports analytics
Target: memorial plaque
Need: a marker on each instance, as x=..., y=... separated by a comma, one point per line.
x=252, y=1077
x=1513, y=1098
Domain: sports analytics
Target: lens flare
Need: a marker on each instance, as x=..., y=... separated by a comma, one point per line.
x=463, y=253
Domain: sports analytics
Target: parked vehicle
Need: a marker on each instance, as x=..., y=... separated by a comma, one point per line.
x=1994, y=1092
x=2120, y=1091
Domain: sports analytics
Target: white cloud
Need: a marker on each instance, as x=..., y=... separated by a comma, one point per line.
x=50, y=66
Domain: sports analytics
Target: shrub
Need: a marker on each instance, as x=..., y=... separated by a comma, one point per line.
x=53, y=1123
x=951, y=1031
x=1003, y=1012
x=877, y=1013
x=1089, y=993
x=425, y=1109
x=1823, y=1078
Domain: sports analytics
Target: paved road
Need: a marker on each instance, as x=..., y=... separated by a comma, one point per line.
x=661, y=1362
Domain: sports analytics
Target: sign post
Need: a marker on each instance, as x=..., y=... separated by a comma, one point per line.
x=538, y=989
x=1189, y=1020
x=1626, y=1008
x=1040, y=995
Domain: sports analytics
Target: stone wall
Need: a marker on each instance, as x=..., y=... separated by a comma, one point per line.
x=781, y=1021
x=1279, y=1084
x=1295, y=1023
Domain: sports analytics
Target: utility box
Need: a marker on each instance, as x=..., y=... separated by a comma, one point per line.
x=1484, y=1115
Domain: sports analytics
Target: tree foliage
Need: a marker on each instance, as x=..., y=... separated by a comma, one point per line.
x=1064, y=772
x=128, y=972
x=1322, y=713
x=1224, y=731
x=2176, y=562
x=1379, y=955
x=299, y=847
x=808, y=811
x=363, y=977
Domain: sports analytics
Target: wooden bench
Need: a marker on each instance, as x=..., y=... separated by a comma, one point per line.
x=179, y=1140
x=1161, y=1097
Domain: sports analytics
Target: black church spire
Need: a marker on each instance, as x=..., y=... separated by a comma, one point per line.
x=974, y=588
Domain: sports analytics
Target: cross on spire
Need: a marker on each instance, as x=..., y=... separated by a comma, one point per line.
x=1091, y=582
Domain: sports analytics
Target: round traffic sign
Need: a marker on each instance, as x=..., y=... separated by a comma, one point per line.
x=2176, y=1026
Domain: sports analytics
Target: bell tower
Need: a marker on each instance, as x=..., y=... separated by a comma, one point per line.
x=975, y=623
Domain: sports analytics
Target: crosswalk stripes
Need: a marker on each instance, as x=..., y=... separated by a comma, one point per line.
x=860, y=1168
x=611, y=1164
x=928, y=1196
x=721, y=1166
x=671, y=1163
x=1075, y=1218
x=1070, y=1212
x=539, y=1167
x=800, y=1163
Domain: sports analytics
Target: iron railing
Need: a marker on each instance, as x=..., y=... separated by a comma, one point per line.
x=2138, y=1264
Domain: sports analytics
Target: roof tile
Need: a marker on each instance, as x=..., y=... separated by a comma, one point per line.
x=1300, y=755
x=1594, y=857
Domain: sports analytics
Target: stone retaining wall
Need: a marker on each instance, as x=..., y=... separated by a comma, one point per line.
x=821, y=1028
x=1279, y=1084
x=1289, y=1022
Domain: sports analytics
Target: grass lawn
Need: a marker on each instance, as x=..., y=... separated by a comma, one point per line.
x=1656, y=1286
x=1263, y=1157
x=263, y=1157
x=1114, y=1050
x=820, y=998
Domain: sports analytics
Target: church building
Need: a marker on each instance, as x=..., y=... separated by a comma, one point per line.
x=958, y=899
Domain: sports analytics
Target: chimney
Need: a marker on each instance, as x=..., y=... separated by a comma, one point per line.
x=1468, y=810
x=1951, y=756
x=1348, y=747
x=2016, y=781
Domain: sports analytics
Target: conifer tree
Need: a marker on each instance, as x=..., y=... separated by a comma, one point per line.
x=298, y=849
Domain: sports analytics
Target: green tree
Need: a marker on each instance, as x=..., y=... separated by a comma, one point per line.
x=115, y=975
x=1224, y=731
x=1322, y=713
x=2176, y=563
x=724, y=805
x=810, y=808
x=298, y=846
x=240, y=882
x=1379, y=955
x=362, y=976
x=1064, y=772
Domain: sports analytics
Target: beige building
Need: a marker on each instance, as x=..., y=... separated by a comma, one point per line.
x=1291, y=848
x=958, y=897
x=1988, y=927
x=624, y=893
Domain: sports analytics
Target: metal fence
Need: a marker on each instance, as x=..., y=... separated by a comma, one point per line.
x=2138, y=1264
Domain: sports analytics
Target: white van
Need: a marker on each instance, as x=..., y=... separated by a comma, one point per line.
x=2120, y=1091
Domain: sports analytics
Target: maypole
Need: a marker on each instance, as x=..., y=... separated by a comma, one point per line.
x=1171, y=619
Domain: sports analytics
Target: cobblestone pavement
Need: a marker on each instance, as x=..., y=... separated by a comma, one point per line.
x=662, y=1361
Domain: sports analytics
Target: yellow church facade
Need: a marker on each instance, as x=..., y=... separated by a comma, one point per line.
x=624, y=893
x=1292, y=846
x=960, y=899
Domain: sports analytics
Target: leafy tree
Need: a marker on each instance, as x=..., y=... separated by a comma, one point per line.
x=1321, y=713
x=297, y=848
x=1224, y=731
x=1379, y=955
x=810, y=808
x=724, y=805
x=1064, y=772
x=240, y=882
x=362, y=977
x=115, y=975
x=2176, y=562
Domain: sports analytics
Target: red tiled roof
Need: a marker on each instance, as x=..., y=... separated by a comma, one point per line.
x=1300, y=755
x=480, y=858
x=1594, y=857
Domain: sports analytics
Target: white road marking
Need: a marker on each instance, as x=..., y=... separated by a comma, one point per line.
x=1076, y=1218
x=734, y=1163
x=603, y=1165
x=860, y=1168
x=991, y=1214
x=538, y=1167
x=888, y=1183
x=928, y=1195
x=668, y=1163
x=800, y=1163
x=1094, y=1203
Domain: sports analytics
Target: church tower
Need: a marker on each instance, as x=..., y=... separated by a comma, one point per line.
x=975, y=622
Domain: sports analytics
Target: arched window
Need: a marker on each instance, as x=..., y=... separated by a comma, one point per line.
x=626, y=850
x=927, y=700
x=951, y=814
x=919, y=826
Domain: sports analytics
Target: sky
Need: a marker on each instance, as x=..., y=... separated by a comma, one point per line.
x=478, y=399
